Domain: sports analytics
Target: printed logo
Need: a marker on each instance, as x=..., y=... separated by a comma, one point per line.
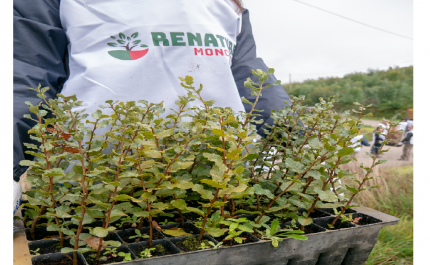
x=128, y=42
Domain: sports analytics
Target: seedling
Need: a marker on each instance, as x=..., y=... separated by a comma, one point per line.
x=35, y=252
x=236, y=228
x=166, y=222
x=138, y=235
x=146, y=253
x=215, y=246
x=275, y=234
x=127, y=256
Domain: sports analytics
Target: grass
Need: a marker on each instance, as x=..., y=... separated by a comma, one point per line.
x=394, y=197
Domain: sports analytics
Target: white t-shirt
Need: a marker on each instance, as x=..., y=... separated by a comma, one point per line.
x=356, y=143
x=402, y=126
x=180, y=37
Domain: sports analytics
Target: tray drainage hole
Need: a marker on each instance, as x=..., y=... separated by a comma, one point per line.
x=322, y=258
x=291, y=262
x=348, y=257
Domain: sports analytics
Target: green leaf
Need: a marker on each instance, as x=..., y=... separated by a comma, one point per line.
x=97, y=114
x=345, y=151
x=101, y=232
x=206, y=194
x=215, y=232
x=298, y=237
x=196, y=210
x=244, y=100
x=178, y=165
x=305, y=221
x=134, y=35
x=294, y=165
x=179, y=203
x=175, y=231
x=259, y=190
x=238, y=240
x=121, y=35
x=274, y=227
x=112, y=243
x=67, y=250
x=213, y=183
x=113, y=44
x=153, y=154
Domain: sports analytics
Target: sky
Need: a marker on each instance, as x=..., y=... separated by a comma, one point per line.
x=308, y=43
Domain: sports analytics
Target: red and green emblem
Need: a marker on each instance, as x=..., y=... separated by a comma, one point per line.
x=128, y=42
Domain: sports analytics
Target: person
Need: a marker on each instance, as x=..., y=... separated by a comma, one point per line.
x=410, y=123
x=403, y=124
x=357, y=143
x=131, y=50
x=408, y=142
x=385, y=126
x=377, y=140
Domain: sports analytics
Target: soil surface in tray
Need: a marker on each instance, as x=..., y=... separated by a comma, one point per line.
x=191, y=245
x=154, y=253
x=364, y=221
x=317, y=214
x=52, y=249
x=127, y=239
x=109, y=260
x=337, y=225
x=65, y=261
x=231, y=242
x=44, y=235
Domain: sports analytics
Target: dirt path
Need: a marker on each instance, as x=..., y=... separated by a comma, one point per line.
x=391, y=156
x=373, y=123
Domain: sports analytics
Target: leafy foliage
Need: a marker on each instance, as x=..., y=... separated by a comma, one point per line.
x=130, y=161
x=390, y=92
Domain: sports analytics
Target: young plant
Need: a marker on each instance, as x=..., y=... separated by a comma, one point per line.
x=127, y=256
x=166, y=222
x=215, y=247
x=276, y=235
x=146, y=253
x=236, y=227
x=35, y=252
x=138, y=235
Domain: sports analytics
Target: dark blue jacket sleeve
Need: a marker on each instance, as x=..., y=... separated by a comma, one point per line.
x=365, y=142
x=39, y=57
x=245, y=59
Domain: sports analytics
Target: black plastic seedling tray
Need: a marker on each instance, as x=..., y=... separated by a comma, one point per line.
x=349, y=245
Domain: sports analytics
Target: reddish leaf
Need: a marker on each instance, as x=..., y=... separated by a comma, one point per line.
x=65, y=136
x=70, y=149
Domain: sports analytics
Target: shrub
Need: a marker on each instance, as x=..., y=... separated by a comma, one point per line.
x=132, y=161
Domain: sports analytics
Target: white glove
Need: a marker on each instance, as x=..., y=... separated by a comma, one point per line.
x=17, y=195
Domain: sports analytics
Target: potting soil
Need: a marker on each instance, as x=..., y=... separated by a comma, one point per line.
x=191, y=244
x=154, y=253
x=65, y=261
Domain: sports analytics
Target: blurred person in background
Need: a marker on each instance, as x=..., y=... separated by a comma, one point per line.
x=408, y=143
x=358, y=142
x=377, y=140
x=385, y=126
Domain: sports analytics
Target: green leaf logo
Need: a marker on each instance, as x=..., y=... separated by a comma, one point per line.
x=127, y=43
